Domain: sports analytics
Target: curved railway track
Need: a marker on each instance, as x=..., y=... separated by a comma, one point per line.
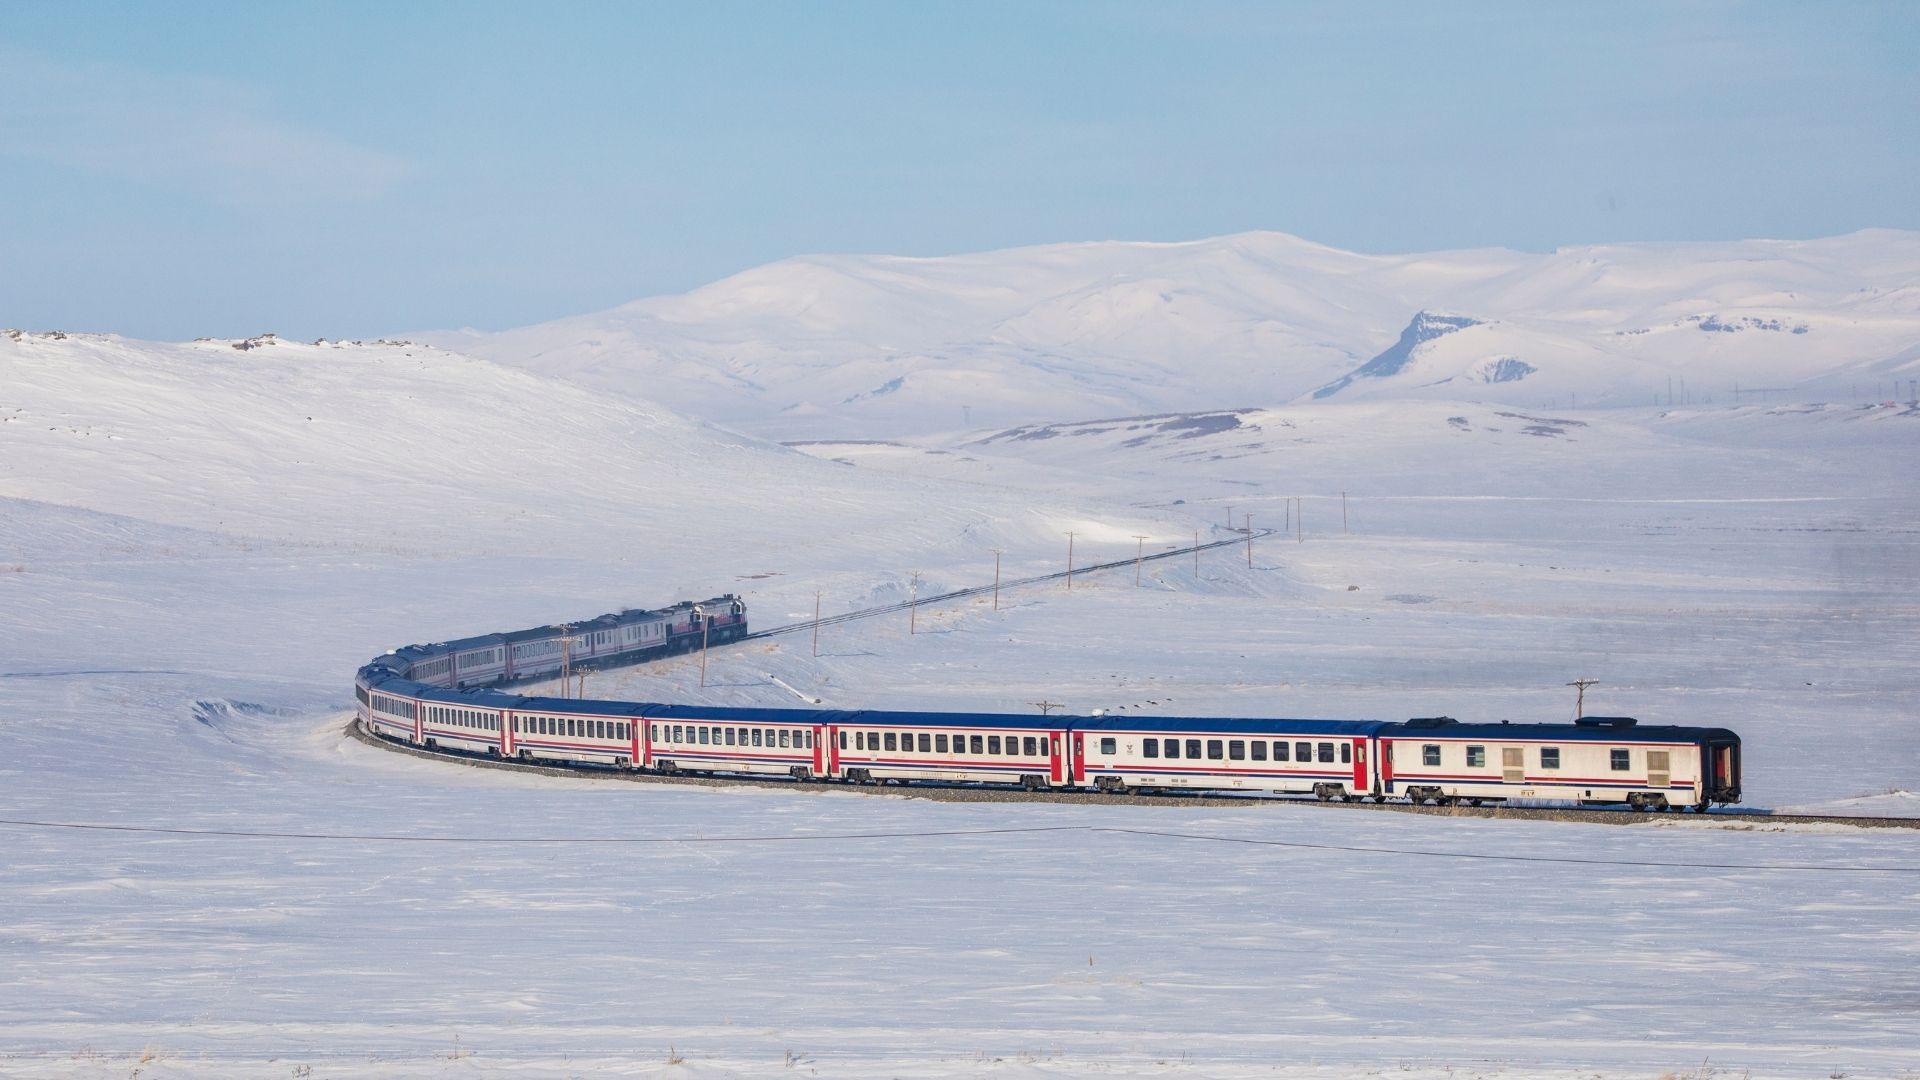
x=959, y=792
x=984, y=793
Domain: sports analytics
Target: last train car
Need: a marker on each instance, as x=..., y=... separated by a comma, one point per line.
x=1596, y=759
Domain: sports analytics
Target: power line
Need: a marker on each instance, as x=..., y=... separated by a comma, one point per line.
x=395, y=838
x=1485, y=857
x=938, y=833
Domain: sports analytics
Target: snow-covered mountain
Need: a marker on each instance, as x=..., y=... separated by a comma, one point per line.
x=844, y=344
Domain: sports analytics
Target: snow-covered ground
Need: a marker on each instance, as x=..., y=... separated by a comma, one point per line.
x=190, y=569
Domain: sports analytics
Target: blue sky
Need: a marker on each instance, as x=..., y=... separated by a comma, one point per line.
x=344, y=169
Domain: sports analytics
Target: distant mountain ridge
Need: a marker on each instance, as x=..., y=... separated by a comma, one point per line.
x=827, y=345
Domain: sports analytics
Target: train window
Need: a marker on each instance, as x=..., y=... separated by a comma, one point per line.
x=1346, y=753
x=786, y=739
x=974, y=742
x=1237, y=749
x=1549, y=757
x=859, y=740
x=1476, y=757
x=1259, y=748
x=1326, y=751
x=993, y=745
x=1622, y=760
x=1280, y=752
x=1108, y=746
x=728, y=732
x=679, y=733
x=1430, y=754
x=1193, y=748
x=940, y=744
x=873, y=740
x=843, y=740
x=1303, y=751
x=890, y=741
x=926, y=743
x=1032, y=746
x=1149, y=747
x=1216, y=749
x=653, y=732
x=1173, y=748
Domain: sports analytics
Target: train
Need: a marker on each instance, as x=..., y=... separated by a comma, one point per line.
x=455, y=696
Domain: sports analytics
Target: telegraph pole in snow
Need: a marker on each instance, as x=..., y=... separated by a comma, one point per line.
x=816, y=622
x=913, y=605
x=1069, y=561
x=1249, y=541
x=1046, y=707
x=1580, y=698
x=1139, y=548
x=996, y=579
x=566, y=660
x=1196, y=554
x=706, y=627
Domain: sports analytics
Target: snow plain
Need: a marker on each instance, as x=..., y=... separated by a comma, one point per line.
x=190, y=569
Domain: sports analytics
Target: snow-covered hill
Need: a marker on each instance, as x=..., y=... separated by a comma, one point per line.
x=401, y=448
x=834, y=345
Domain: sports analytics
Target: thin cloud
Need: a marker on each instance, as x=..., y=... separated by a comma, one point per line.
x=200, y=135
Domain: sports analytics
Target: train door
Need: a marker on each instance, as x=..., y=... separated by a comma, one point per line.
x=1055, y=773
x=1360, y=785
x=833, y=750
x=1386, y=766
x=1513, y=764
x=506, y=733
x=1079, y=758
x=645, y=737
x=820, y=736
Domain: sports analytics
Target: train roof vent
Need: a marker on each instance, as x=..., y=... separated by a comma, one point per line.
x=1431, y=721
x=1606, y=721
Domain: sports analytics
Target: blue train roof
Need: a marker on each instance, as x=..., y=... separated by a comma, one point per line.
x=1608, y=729
x=1223, y=725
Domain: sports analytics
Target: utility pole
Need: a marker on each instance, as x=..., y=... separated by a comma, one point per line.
x=816, y=622
x=1580, y=698
x=1229, y=515
x=1069, y=561
x=701, y=614
x=996, y=579
x=1046, y=707
x=1139, y=549
x=1249, y=541
x=1343, y=515
x=1196, y=554
x=913, y=605
x=566, y=660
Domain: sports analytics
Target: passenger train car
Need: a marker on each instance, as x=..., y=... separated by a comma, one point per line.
x=446, y=696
